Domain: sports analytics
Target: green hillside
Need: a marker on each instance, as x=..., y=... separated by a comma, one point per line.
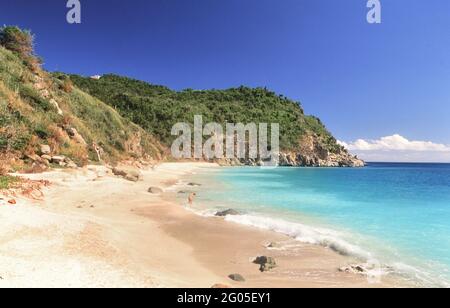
x=157, y=108
x=37, y=109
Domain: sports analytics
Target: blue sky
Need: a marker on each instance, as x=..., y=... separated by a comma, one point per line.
x=364, y=81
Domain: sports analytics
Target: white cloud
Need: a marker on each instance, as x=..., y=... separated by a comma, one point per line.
x=397, y=148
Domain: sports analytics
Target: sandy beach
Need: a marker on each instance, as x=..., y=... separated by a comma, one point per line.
x=94, y=229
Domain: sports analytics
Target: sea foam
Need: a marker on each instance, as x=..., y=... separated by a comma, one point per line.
x=303, y=233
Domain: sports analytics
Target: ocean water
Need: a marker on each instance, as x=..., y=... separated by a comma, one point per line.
x=394, y=215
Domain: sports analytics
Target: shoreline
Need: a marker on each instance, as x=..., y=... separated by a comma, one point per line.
x=97, y=230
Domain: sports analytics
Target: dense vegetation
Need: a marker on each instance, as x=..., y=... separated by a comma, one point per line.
x=157, y=108
x=37, y=108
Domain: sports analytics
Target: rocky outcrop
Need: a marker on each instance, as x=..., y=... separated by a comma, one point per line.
x=344, y=159
x=311, y=153
x=314, y=153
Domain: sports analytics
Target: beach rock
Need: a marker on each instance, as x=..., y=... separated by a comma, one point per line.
x=354, y=269
x=45, y=149
x=129, y=174
x=266, y=263
x=155, y=190
x=220, y=286
x=273, y=245
x=236, y=277
x=12, y=201
x=194, y=184
x=227, y=212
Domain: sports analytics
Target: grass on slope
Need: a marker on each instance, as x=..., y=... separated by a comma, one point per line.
x=28, y=119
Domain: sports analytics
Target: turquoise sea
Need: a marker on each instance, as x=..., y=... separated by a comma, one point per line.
x=393, y=215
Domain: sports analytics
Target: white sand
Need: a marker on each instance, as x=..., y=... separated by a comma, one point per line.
x=97, y=230
x=63, y=242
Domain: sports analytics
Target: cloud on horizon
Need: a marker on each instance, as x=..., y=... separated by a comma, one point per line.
x=397, y=148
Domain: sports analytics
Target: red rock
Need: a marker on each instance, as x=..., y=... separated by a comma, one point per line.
x=12, y=201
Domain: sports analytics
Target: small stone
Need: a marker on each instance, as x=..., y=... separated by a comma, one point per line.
x=220, y=286
x=194, y=184
x=12, y=201
x=155, y=190
x=236, y=277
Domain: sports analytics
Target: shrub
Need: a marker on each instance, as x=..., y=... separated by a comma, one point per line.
x=67, y=85
x=20, y=42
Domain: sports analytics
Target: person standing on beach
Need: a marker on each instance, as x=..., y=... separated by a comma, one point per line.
x=191, y=199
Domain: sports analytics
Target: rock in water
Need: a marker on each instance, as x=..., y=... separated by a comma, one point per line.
x=227, y=212
x=155, y=190
x=236, y=277
x=265, y=263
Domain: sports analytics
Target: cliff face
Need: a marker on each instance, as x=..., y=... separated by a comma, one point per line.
x=313, y=154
